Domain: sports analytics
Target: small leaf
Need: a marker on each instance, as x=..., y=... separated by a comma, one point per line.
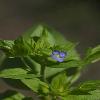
x=42, y=42
x=93, y=55
x=6, y=43
x=44, y=89
x=59, y=84
x=6, y=46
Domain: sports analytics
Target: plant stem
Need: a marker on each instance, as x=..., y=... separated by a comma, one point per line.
x=43, y=78
x=48, y=97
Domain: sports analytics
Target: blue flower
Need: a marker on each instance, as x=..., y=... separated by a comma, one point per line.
x=58, y=55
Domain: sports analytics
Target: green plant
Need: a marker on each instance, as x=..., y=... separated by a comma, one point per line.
x=48, y=64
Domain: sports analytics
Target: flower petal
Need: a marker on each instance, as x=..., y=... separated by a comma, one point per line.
x=57, y=59
x=62, y=54
x=56, y=52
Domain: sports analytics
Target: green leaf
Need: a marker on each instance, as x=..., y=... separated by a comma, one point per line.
x=42, y=42
x=12, y=95
x=66, y=65
x=6, y=43
x=72, y=73
x=44, y=89
x=18, y=47
x=16, y=73
x=95, y=95
x=56, y=36
x=59, y=84
x=6, y=46
x=36, y=31
x=33, y=84
x=49, y=71
x=53, y=36
x=21, y=62
x=22, y=47
x=17, y=96
x=86, y=88
x=93, y=55
x=90, y=85
x=31, y=64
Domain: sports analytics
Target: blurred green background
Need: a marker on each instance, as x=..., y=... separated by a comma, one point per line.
x=78, y=20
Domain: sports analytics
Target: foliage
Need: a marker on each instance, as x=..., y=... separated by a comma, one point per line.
x=31, y=59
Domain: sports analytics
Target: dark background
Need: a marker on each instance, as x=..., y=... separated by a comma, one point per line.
x=77, y=20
